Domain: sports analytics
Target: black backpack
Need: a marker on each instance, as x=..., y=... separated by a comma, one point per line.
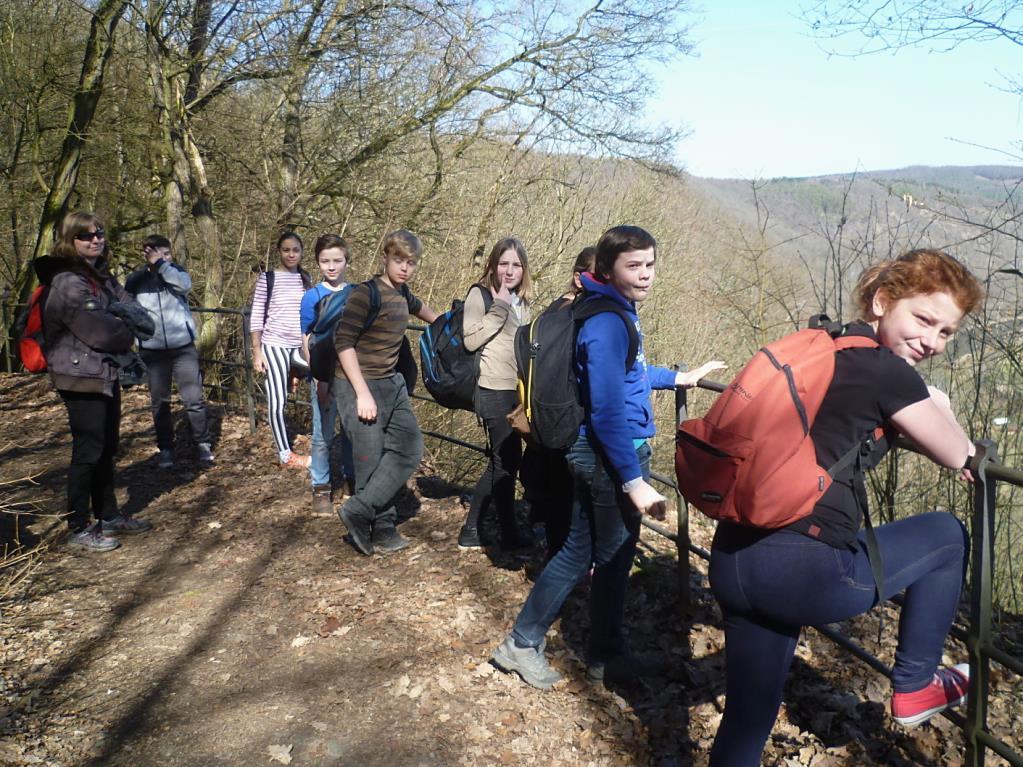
x=450, y=371
x=545, y=355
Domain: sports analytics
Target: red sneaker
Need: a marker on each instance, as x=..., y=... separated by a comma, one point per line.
x=296, y=461
x=947, y=689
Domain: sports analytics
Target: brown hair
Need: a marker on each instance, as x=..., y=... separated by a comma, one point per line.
x=618, y=240
x=73, y=225
x=584, y=262
x=402, y=243
x=489, y=278
x=918, y=272
x=328, y=241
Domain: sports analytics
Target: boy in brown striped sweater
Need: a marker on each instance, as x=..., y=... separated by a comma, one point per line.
x=372, y=397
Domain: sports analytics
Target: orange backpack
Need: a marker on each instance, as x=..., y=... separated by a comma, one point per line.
x=28, y=329
x=751, y=459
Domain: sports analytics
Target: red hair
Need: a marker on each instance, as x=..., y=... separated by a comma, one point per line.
x=918, y=272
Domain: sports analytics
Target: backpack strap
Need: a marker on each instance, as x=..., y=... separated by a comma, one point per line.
x=269, y=290
x=586, y=308
x=374, y=304
x=855, y=457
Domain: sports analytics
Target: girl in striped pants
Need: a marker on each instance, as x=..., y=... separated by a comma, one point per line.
x=277, y=337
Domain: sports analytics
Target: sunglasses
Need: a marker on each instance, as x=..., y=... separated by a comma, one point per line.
x=99, y=234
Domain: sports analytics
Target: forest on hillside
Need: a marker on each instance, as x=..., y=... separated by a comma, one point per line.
x=222, y=124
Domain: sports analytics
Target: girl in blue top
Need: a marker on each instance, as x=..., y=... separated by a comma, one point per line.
x=610, y=464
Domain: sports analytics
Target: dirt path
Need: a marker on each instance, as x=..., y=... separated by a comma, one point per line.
x=244, y=631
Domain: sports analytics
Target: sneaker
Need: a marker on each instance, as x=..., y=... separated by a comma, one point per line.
x=389, y=540
x=296, y=461
x=122, y=525
x=625, y=668
x=321, y=500
x=165, y=460
x=359, y=529
x=205, y=453
x=92, y=539
x=469, y=538
x=530, y=663
x=947, y=689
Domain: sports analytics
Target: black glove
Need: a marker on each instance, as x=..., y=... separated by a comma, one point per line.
x=138, y=320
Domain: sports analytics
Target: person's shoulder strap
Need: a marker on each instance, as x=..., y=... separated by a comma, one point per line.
x=485, y=294
x=591, y=307
x=407, y=295
x=269, y=289
x=374, y=303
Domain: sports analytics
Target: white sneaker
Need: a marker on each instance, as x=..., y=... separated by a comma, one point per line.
x=205, y=453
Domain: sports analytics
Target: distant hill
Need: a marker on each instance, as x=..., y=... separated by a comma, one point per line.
x=913, y=205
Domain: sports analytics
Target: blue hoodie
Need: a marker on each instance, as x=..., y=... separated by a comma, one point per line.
x=617, y=403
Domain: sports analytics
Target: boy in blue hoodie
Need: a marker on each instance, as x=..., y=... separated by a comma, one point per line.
x=610, y=464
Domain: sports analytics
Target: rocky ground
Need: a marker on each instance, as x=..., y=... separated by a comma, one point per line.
x=243, y=630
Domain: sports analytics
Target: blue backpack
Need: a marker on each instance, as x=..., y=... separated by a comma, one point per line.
x=322, y=355
x=450, y=371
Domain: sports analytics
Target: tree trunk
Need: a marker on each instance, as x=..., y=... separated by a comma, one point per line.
x=98, y=50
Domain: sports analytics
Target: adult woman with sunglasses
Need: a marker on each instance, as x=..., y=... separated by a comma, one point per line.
x=87, y=319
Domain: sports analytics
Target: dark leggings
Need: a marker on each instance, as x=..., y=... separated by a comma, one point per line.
x=771, y=584
x=505, y=454
x=95, y=421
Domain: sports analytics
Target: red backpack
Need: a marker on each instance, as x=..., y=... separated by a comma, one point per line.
x=751, y=459
x=28, y=329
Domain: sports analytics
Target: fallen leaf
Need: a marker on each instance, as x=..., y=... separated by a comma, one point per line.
x=301, y=641
x=280, y=754
x=329, y=626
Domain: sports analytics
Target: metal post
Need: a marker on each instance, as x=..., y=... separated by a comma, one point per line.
x=682, y=510
x=979, y=632
x=250, y=384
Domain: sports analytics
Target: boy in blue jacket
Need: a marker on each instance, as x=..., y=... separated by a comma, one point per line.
x=162, y=288
x=610, y=464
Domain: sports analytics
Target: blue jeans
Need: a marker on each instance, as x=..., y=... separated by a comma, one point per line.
x=324, y=416
x=771, y=584
x=604, y=532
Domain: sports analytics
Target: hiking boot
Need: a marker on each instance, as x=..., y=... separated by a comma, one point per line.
x=359, y=529
x=205, y=453
x=92, y=539
x=947, y=689
x=469, y=538
x=122, y=525
x=530, y=663
x=624, y=668
x=296, y=461
x=165, y=460
x=389, y=539
x=321, y=499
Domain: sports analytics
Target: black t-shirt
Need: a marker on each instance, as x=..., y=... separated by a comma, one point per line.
x=869, y=386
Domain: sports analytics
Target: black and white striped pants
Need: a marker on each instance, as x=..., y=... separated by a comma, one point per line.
x=277, y=362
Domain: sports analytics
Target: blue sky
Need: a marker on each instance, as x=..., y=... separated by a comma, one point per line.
x=763, y=99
